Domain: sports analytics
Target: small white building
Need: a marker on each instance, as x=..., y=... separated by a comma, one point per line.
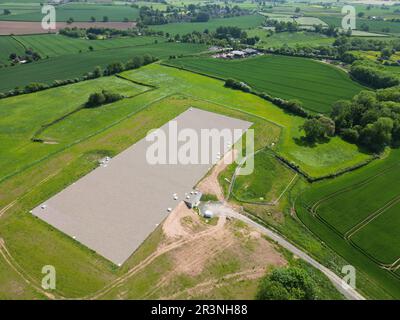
x=193, y=198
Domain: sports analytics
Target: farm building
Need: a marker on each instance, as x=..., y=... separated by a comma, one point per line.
x=237, y=54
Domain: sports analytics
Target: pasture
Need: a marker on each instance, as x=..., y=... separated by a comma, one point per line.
x=315, y=84
x=266, y=183
x=357, y=215
x=75, y=65
x=243, y=22
x=25, y=115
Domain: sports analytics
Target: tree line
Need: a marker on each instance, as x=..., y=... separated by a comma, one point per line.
x=110, y=69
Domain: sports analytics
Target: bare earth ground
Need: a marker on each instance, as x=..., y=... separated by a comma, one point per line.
x=253, y=252
x=23, y=27
x=210, y=184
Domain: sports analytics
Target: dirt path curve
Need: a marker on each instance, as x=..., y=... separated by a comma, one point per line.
x=347, y=291
x=210, y=184
x=14, y=266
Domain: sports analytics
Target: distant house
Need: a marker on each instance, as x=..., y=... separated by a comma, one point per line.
x=250, y=51
x=238, y=53
x=192, y=199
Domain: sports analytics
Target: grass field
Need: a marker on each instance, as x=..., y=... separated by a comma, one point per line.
x=78, y=11
x=291, y=39
x=243, y=22
x=75, y=65
x=315, y=84
x=21, y=117
x=267, y=182
x=357, y=215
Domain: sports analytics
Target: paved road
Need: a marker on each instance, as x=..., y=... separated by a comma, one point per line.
x=223, y=209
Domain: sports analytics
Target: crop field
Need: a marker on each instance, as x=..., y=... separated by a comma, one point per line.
x=315, y=84
x=75, y=65
x=77, y=11
x=267, y=182
x=8, y=45
x=56, y=45
x=360, y=209
x=291, y=39
x=243, y=22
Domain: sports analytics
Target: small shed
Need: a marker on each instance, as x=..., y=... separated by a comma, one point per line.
x=193, y=198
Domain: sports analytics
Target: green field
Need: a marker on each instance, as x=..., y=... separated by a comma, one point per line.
x=37, y=171
x=243, y=22
x=290, y=39
x=56, y=45
x=374, y=26
x=315, y=84
x=75, y=65
x=266, y=183
x=80, y=12
x=357, y=215
x=9, y=45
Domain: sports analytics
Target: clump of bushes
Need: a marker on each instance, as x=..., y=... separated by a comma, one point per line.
x=287, y=284
x=98, y=99
x=293, y=106
x=318, y=128
x=231, y=83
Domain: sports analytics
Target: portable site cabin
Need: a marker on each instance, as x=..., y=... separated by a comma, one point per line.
x=192, y=199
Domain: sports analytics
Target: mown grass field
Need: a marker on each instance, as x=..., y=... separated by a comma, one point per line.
x=52, y=45
x=266, y=183
x=243, y=22
x=315, y=84
x=357, y=215
x=75, y=65
x=78, y=11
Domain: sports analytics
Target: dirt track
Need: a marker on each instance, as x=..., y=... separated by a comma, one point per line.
x=210, y=184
